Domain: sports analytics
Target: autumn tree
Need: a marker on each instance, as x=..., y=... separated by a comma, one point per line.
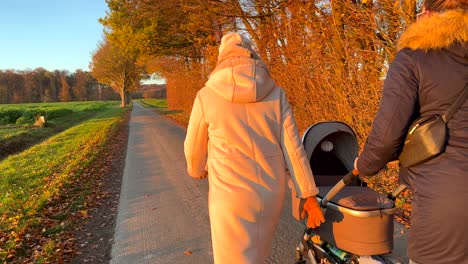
x=51, y=86
x=81, y=85
x=169, y=37
x=156, y=29
x=4, y=89
x=65, y=92
x=117, y=68
x=30, y=91
x=10, y=87
x=334, y=52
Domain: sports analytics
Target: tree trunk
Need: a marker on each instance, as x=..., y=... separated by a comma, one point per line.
x=123, y=97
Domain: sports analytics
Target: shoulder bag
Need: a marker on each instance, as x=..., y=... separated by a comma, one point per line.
x=427, y=136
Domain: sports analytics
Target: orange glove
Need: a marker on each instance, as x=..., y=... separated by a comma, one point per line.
x=314, y=213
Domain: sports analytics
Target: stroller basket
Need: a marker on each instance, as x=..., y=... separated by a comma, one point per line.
x=358, y=219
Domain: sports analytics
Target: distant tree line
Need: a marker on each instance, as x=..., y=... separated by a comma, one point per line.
x=40, y=85
x=157, y=91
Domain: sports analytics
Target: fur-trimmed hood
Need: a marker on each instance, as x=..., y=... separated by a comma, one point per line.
x=446, y=30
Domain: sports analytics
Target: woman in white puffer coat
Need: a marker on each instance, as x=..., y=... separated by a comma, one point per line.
x=243, y=129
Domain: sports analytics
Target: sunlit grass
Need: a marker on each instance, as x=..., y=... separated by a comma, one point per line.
x=30, y=179
x=16, y=120
x=151, y=102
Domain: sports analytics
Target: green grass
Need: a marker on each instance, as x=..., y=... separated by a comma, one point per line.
x=24, y=114
x=30, y=179
x=158, y=103
x=7, y=133
x=16, y=136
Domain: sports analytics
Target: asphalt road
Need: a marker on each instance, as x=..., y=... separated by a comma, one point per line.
x=163, y=213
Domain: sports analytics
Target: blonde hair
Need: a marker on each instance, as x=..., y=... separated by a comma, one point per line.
x=444, y=5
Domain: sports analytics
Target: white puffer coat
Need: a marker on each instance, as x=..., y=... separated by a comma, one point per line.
x=242, y=127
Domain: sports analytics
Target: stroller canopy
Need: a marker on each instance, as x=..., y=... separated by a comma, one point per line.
x=331, y=148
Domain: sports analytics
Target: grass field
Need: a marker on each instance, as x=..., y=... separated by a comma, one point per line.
x=31, y=179
x=16, y=122
x=23, y=114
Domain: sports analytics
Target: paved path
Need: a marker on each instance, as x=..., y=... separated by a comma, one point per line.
x=163, y=213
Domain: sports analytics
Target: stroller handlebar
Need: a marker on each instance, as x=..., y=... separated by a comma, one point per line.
x=347, y=179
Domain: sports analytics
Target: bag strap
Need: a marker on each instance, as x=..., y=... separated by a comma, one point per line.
x=456, y=105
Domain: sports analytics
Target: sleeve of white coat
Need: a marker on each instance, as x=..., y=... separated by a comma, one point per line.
x=196, y=141
x=294, y=154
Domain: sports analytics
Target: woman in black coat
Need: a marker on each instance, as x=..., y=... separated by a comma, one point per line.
x=429, y=72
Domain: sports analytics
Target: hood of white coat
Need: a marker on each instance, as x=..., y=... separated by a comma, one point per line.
x=240, y=76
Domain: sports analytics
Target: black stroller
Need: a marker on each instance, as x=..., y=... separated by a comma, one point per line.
x=359, y=221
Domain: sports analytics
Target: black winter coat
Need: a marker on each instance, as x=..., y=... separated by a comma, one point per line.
x=428, y=73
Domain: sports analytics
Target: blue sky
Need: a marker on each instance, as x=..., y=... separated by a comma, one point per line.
x=53, y=34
